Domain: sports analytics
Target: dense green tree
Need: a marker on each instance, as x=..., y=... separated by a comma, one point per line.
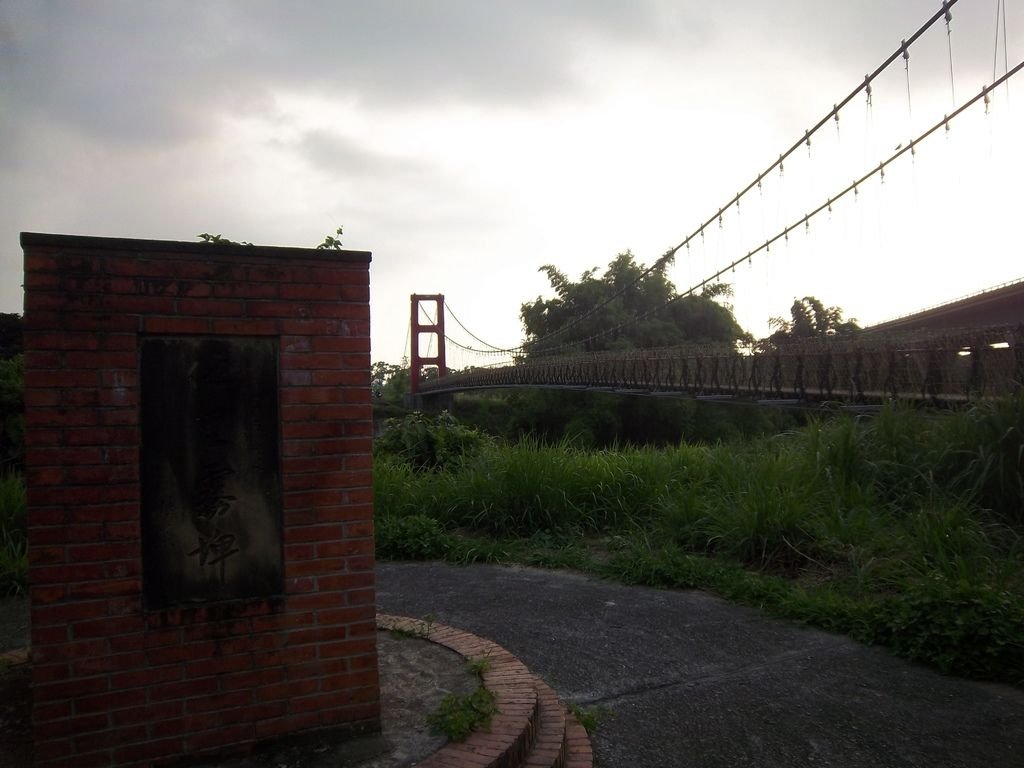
x=390, y=382
x=810, y=318
x=389, y=385
x=618, y=310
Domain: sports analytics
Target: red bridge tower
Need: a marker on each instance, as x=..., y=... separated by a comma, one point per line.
x=416, y=359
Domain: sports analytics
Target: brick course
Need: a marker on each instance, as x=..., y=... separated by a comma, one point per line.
x=113, y=682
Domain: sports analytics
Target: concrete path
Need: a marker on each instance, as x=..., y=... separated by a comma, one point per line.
x=690, y=680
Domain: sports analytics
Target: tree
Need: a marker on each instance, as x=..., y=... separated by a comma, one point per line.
x=616, y=311
x=389, y=382
x=811, y=319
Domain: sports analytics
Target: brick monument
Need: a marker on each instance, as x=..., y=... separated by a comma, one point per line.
x=200, y=524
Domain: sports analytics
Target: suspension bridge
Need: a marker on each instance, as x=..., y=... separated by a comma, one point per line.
x=959, y=351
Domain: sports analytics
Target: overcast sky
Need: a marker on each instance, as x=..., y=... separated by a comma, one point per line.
x=467, y=143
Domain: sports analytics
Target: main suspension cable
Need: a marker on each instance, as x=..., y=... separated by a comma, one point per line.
x=492, y=347
x=669, y=255
x=911, y=147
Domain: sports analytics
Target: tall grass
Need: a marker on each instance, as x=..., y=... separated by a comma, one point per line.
x=529, y=486
x=984, y=456
x=895, y=529
x=941, y=492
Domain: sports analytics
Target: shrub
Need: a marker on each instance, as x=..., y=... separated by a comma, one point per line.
x=416, y=537
x=963, y=629
x=430, y=443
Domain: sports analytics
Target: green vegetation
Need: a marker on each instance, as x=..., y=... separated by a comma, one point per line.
x=599, y=420
x=13, y=538
x=330, y=242
x=389, y=384
x=12, y=413
x=589, y=717
x=905, y=529
x=428, y=442
x=615, y=310
x=810, y=318
x=219, y=239
x=458, y=716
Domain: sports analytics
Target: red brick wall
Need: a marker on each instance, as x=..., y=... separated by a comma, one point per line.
x=113, y=683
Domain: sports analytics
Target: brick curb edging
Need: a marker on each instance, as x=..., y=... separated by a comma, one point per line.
x=519, y=694
x=521, y=698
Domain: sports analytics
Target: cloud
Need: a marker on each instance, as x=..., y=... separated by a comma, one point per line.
x=335, y=154
x=455, y=138
x=129, y=72
x=153, y=72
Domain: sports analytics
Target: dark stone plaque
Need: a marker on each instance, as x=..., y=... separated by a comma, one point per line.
x=210, y=467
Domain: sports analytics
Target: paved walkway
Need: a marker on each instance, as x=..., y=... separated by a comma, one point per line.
x=689, y=680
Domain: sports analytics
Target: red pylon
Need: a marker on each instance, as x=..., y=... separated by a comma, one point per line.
x=416, y=359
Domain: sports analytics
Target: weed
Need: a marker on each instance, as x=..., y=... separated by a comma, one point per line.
x=404, y=633
x=589, y=717
x=458, y=716
x=479, y=665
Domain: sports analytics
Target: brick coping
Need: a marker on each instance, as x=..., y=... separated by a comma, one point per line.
x=520, y=697
x=164, y=247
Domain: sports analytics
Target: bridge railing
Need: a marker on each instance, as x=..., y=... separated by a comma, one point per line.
x=866, y=368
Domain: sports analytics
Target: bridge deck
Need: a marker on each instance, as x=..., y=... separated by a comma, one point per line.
x=952, y=367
